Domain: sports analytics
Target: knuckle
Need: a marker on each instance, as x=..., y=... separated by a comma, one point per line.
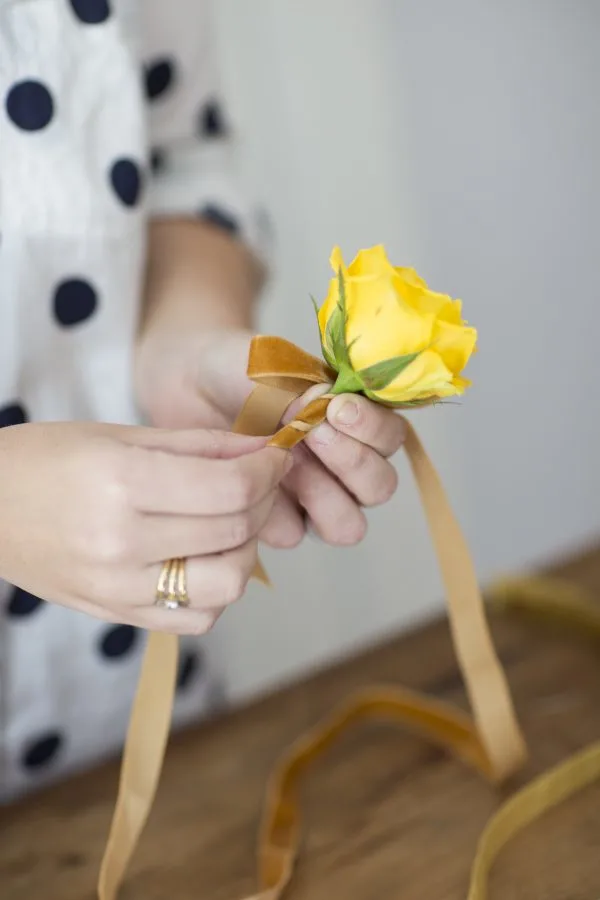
x=135, y=474
x=116, y=544
x=123, y=468
x=203, y=622
x=390, y=485
x=349, y=531
x=212, y=440
x=355, y=531
x=358, y=456
x=242, y=488
x=100, y=586
x=234, y=584
x=291, y=537
x=110, y=538
x=286, y=538
x=399, y=431
x=241, y=530
x=109, y=529
x=383, y=488
x=104, y=542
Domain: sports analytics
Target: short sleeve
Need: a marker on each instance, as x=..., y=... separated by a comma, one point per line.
x=193, y=163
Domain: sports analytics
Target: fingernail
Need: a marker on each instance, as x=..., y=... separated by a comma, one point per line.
x=347, y=414
x=289, y=462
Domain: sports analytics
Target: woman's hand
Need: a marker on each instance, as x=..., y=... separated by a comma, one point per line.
x=341, y=467
x=88, y=513
x=191, y=373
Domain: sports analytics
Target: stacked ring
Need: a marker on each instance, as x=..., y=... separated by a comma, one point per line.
x=171, y=590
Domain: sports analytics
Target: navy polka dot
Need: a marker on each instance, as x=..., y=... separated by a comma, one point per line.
x=91, y=12
x=126, y=179
x=43, y=750
x=75, y=300
x=189, y=666
x=12, y=414
x=217, y=216
x=159, y=77
x=118, y=641
x=22, y=604
x=158, y=160
x=29, y=105
x=212, y=120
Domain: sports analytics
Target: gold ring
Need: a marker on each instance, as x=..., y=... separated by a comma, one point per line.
x=171, y=590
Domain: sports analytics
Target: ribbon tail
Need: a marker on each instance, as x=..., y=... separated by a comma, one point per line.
x=150, y=720
x=484, y=677
x=526, y=806
x=552, y=602
x=145, y=745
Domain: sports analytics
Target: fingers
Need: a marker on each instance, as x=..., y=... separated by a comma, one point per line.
x=151, y=618
x=213, y=582
x=334, y=514
x=178, y=621
x=377, y=427
x=369, y=477
x=286, y=525
x=208, y=509
x=210, y=443
x=354, y=443
x=166, y=537
x=189, y=485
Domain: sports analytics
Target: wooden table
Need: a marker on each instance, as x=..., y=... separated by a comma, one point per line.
x=386, y=815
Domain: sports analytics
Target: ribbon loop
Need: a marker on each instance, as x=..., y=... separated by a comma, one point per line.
x=280, y=364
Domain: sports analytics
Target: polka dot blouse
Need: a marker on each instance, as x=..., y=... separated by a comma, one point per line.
x=110, y=112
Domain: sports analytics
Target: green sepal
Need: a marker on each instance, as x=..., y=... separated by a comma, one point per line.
x=334, y=334
x=336, y=328
x=324, y=350
x=381, y=374
x=328, y=357
x=347, y=382
x=403, y=404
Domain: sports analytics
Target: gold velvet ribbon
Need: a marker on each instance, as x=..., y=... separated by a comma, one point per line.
x=489, y=740
x=553, y=603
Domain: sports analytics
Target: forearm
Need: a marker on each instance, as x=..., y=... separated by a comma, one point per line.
x=197, y=280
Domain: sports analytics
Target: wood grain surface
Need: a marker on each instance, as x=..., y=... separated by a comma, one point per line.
x=386, y=816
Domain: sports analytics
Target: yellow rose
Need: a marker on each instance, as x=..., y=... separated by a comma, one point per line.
x=387, y=334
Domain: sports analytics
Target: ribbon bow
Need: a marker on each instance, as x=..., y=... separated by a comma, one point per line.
x=489, y=740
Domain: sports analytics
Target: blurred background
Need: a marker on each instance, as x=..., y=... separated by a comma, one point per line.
x=465, y=136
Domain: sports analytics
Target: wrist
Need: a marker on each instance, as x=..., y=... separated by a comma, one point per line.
x=198, y=279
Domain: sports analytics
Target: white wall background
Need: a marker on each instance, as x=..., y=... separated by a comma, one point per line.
x=466, y=137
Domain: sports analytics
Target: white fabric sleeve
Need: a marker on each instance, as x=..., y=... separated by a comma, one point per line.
x=192, y=166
